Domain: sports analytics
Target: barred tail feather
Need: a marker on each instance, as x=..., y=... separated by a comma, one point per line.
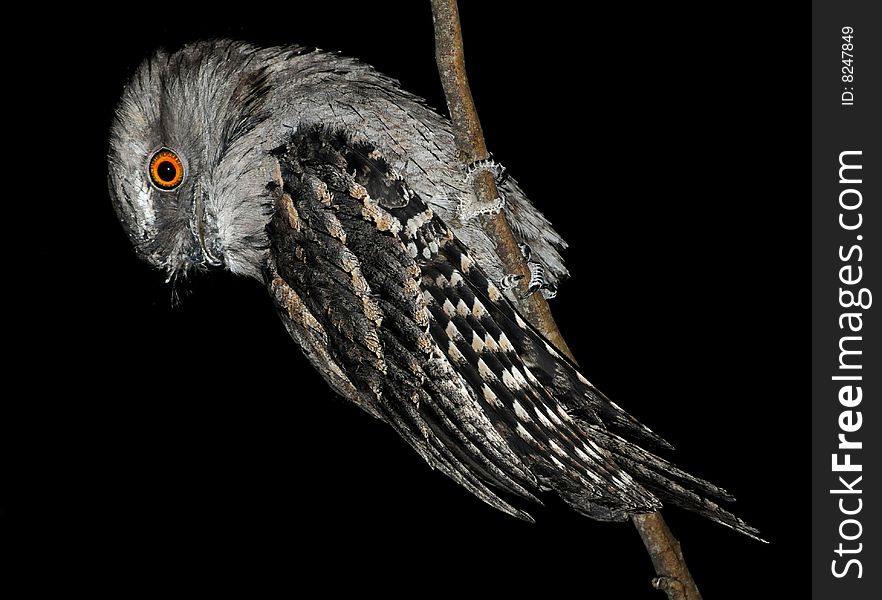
x=669, y=483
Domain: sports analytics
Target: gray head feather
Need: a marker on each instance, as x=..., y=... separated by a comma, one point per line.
x=205, y=105
x=223, y=106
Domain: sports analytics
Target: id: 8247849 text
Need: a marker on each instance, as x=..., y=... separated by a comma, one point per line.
x=847, y=97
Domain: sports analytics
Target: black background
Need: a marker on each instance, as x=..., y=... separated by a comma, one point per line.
x=192, y=447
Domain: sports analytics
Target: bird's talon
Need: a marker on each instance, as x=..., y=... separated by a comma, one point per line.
x=465, y=211
x=537, y=278
x=490, y=166
x=509, y=282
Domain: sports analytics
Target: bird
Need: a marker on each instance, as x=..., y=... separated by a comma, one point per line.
x=344, y=195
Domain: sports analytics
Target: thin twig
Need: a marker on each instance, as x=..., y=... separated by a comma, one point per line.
x=667, y=558
x=664, y=549
x=472, y=148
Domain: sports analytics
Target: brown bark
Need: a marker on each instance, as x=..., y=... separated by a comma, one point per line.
x=664, y=549
x=673, y=575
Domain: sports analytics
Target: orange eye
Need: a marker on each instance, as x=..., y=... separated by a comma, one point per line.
x=166, y=170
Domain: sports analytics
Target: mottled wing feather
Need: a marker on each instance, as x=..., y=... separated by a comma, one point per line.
x=345, y=285
x=398, y=317
x=551, y=368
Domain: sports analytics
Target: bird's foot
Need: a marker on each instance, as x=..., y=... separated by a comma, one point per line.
x=537, y=275
x=467, y=210
x=509, y=282
x=549, y=291
x=490, y=166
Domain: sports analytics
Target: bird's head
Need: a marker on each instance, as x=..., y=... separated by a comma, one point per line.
x=187, y=168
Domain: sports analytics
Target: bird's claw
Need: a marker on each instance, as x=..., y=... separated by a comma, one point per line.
x=467, y=210
x=490, y=166
x=509, y=282
x=537, y=277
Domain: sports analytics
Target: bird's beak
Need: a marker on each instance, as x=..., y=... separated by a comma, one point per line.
x=201, y=230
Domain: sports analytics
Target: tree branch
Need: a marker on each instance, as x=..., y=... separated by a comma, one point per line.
x=673, y=575
x=472, y=148
x=664, y=549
